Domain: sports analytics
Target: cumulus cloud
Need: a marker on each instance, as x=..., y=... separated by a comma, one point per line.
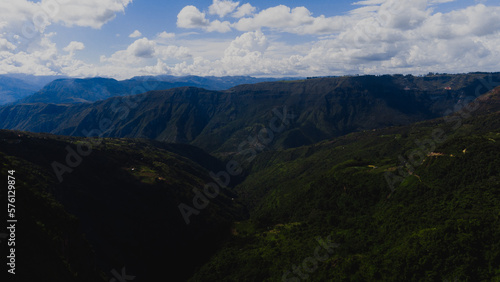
x=74, y=46
x=142, y=48
x=382, y=36
x=247, y=43
x=222, y=7
x=218, y=26
x=44, y=60
x=244, y=10
x=376, y=36
x=142, y=51
x=26, y=48
x=89, y=13
x=165, y=35
x=440, y=1
x=135, y=34
x=191, y=17
x=297, y=20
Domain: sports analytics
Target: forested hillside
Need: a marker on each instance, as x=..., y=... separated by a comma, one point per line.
x=393, y=201
x=218, y=121
x=413, y=203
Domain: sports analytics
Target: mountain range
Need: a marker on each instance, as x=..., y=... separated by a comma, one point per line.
x=14, y=87
x=217, y=120
x=87, y=90
x=369, y=178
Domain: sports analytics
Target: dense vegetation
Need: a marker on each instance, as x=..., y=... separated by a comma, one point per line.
x=123, y=197
x=412, y=202
x=441, y=223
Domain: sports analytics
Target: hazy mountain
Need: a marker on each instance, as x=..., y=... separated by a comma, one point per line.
x=220, y=120
x=72, y=90
x=213, y=82
x=17, y=86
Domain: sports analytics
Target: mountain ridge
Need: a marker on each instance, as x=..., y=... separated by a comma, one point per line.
x=215, y=120
x=88, y=90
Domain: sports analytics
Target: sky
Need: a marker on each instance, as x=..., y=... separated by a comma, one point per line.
x=287, y=38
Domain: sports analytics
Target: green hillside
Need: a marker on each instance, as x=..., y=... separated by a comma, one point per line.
x=384, y=200
x=438, y=221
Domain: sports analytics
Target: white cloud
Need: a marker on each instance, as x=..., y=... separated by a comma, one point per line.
x=389, y=36
x=5, y=45
x=369, y=2
x=26, y=48
x=440, y=1
x=222, y=7
x=276, y=17
x=219, y=26
x=135, y=34
x=89, y=13
x=42, y=60
x=244, y=10
x=298, y=20
x=134, y=54
x=165, y=35
x=247, y=43
x=143, y=51
x=476, y=20
x=172, y=52
x=74, y=46
x=142, y=48
x=191, y=17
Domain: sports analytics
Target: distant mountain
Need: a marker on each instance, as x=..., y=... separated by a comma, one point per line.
x=17, y=86
x=219, y=121
x=40, y=80
x=214, y=82
x=72, y=90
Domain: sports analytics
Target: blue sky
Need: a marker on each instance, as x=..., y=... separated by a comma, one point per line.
x=124, y=38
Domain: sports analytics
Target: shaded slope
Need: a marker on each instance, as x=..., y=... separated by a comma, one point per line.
x=125, y=196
